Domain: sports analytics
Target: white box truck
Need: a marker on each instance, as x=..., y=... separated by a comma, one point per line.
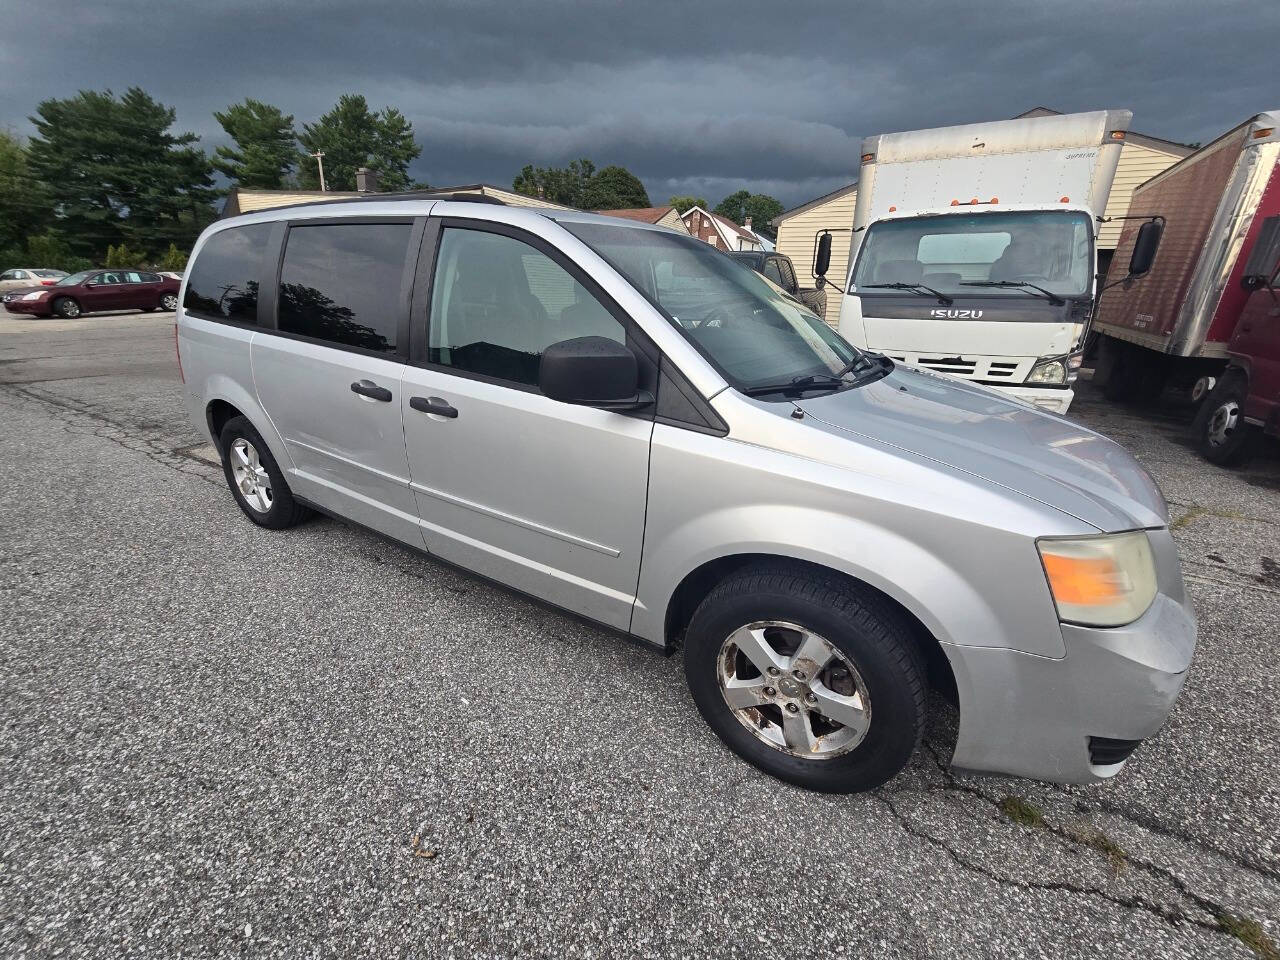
x=974, y=248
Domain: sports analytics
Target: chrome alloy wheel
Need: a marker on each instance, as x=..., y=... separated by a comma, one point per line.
x=793, y=689
x=252, y=479
x=169, y=301
x=1224, y=422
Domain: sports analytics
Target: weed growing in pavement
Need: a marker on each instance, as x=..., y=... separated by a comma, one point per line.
x=1250, y=933
x=1022, y=811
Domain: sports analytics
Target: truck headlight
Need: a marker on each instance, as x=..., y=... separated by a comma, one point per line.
x=1104, y=581
x=1048, y=371
x=33, y=295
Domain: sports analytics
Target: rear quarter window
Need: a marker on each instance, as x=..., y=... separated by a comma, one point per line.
x=223, y=282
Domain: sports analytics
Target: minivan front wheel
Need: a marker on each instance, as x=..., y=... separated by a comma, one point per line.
x=255, y=478
x=812, y=678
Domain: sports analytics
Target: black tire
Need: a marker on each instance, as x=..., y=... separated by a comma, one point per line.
x=67, y=307
x=283, y=511
x=1221, y=435
x=1131, y=373
x=167, y=306
x=862, y=625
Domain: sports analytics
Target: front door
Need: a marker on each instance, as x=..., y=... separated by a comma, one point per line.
x=329, y=377
x=547, y=497
x=106, y=291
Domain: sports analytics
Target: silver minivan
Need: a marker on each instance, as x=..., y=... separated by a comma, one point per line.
x=621, y=421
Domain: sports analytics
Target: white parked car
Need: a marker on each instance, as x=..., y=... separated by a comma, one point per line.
x=20, y=277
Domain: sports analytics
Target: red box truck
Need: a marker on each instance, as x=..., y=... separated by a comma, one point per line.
x=1179, y=320
x=1246, y=398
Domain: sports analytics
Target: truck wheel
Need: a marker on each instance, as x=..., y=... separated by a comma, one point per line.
x=1221, y=434
x=255, y=479
x=811, y=678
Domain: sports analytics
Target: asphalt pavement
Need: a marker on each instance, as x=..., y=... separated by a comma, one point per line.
x=217, y=740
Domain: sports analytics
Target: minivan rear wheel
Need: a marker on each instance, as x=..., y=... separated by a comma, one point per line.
x=255, y=478
x=812, y=678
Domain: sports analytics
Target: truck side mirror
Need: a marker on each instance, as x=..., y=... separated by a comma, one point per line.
x=822, y=260
x=1144, y=248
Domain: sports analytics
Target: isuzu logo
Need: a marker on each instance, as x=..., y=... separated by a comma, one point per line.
x=942, y=313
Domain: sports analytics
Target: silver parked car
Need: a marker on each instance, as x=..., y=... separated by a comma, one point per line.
x=621, y=421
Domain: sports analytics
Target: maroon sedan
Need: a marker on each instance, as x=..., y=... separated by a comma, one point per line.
x=93, y=290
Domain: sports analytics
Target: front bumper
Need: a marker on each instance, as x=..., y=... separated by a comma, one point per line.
x=27, y=306
x=1033, y=716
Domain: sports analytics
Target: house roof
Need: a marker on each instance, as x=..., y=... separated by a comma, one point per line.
x=246, y=199
x=645, y=214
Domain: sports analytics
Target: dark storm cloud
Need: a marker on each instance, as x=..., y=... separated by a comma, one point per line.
x=700, y=98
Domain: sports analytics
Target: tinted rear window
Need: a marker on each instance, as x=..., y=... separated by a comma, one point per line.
x=341, y=283
x=223, y=282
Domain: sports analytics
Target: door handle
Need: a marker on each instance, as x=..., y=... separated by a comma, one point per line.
x=367, y=388
x=436, y=405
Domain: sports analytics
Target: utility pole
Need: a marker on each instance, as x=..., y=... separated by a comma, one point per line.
x=319, y=158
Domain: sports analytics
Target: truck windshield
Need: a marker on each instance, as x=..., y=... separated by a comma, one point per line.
x=748, y=329
x=951, y=252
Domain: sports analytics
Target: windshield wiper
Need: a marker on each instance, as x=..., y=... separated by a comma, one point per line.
x=1052, y=297
x=796, y=384
x=915, y=288
x=812, y=381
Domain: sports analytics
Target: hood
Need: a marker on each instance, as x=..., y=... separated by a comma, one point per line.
x=1004, y=441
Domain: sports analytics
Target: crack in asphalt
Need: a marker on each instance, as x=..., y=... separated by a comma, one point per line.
x=65, y=411
x=1219, y=913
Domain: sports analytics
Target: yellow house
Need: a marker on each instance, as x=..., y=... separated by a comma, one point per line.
x=1141, y=158
x=798, y=229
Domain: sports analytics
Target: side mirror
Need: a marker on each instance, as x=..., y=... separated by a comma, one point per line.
x=592, y=372
x=1144, y=248
x=822, y=261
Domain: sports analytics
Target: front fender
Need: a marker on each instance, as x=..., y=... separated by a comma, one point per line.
x=890, y=525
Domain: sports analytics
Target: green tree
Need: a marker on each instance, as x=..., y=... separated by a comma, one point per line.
x=266, y=146
x=24, y=206
x=114, y=172
x=614, y=188
x=43, y=250
x=123, y=257
x=684, y=203
x=174, y=260
x=565, y=185
x=352, y=136
x=760, y=207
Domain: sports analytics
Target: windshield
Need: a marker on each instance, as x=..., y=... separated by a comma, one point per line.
x=75, y=278
x=953, y=252
x=749, y=330
x=47, y=274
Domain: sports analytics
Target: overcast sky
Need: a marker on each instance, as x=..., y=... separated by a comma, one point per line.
x=694, y=97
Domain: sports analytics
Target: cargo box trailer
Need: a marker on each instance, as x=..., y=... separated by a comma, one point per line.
x=1178, y=322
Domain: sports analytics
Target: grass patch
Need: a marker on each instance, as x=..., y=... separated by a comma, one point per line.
x=1095, y=839
x=1022, y=811
x=1192, y=514
x=1250, y=933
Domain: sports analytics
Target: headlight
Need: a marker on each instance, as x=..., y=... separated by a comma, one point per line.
x=1104, y=581
x=1048, y=371
x=33, y=295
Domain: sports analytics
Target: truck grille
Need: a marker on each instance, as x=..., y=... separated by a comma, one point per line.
x=995, y=370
